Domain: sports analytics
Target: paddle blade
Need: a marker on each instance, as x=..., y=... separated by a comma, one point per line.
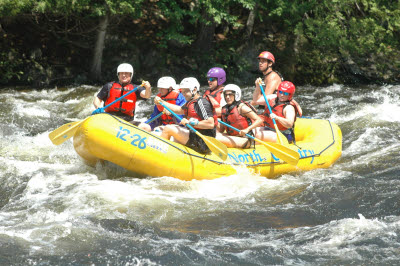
x=282, y=152
x=215, y=146
x=61, y=134
x=280, y=137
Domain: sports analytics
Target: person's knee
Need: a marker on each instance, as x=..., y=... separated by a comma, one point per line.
x=145, y=127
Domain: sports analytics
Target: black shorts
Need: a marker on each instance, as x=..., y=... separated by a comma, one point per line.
x=196, y=143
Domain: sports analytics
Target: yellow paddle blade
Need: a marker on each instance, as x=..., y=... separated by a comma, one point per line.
x=61, y=134
x=281, y=138
x=282, y=152
x=215, y=146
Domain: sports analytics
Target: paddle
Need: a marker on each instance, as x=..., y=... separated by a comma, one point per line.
x=215, y=146
x=281, y=138
x=154, y=118
x=282, y=152
x=61, y=134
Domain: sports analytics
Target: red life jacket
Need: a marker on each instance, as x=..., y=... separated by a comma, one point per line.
x=231, y=116
x=216, y=94
x=171, y=97
x=190, y=112
x=126, y=105
x=277, y=108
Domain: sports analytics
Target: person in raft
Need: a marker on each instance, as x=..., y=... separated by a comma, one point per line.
x=168, y=92
x=197, y=111
x=216, y=77
x=271, y=79
x=283, y=111
x=111, y=91
x=240, y=115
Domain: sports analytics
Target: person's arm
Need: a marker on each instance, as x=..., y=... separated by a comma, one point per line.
x=299, y=110
x=146, y=94
x=102, y=95
x=271, y=83
x=97, y=102
x=288, y=120
x=261, y=101
x=205, y=111
x=175, y=108
x=203, y=124
x=249, y=113
x=206, y=123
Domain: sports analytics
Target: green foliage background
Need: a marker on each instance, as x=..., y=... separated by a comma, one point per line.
x=51, y=42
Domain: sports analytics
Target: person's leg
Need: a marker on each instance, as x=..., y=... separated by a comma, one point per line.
x=180, y=134
x=231, y=141
x=158, y=130
x=265, y=134
x=144, y=126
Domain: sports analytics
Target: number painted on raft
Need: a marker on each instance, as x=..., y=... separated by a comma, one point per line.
x=120, y=133
x=137, y=140
x=141, y=144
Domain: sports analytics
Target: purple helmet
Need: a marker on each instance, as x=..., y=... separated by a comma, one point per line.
x=217, y=72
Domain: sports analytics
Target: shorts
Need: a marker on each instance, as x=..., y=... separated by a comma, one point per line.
x=196, y=143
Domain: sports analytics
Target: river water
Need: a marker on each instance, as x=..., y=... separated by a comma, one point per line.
x=56, y=210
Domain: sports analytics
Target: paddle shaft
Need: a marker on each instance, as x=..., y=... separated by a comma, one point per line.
x=267, y=102
x=154, y=118
x=177, y=117
x=123, y=96
x=234, y=128
x=213, y=144
x=270, y=111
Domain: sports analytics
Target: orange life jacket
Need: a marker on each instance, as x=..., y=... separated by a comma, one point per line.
x=231, y=116
x=126, y=105
x=277, y=108
x=171, y=97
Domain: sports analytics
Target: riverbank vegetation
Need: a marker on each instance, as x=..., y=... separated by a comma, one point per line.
x=54, y=42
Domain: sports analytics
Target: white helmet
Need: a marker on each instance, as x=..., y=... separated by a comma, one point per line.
x=236, y=89
x=166, y=83
x=190, y=83
x=125, y=67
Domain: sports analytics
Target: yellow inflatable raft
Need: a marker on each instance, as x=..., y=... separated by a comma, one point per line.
x=106, y=137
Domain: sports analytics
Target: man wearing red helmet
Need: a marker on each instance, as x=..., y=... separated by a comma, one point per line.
x=271, y=79
x=284, y=112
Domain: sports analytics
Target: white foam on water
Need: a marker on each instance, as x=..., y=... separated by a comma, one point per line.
x=342, y=238
x=331, y=88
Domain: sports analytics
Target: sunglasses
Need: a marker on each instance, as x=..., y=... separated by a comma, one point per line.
x=212, y=79
x=284, y=93
x=229, y=94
